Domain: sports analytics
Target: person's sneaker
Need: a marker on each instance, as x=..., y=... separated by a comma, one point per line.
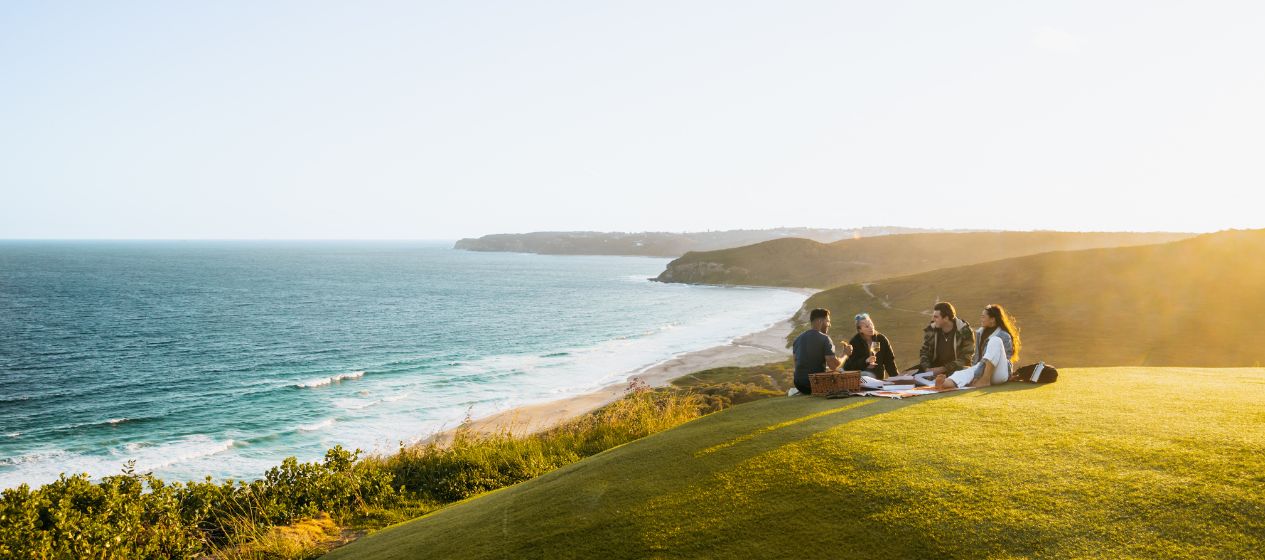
x=792, y=392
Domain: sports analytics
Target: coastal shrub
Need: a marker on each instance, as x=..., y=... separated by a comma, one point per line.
x=774, y=376
x=713, y=398
x=113, y=518
x=337, y=485
x=475, y=462
x=140, y=516
x=720, y=388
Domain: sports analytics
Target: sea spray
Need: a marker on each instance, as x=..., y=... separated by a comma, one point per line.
x=322, y=382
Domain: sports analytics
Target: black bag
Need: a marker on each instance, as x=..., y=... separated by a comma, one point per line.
x=1036, y=373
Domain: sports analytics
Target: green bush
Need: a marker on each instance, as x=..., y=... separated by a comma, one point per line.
x=139, y=516
x=113, y=518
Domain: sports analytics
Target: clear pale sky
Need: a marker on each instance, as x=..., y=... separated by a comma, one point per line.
x=439, y=120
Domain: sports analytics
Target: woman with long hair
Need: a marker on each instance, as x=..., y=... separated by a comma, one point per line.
x=863, y=359
x=996, y=351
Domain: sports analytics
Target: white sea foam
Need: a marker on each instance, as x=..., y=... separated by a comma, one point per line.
x=361, y=404
x=515, y=380
x=153, y=456
x=317, y=425
x=43, y=466
x=353, y=404
x=32, y=457
x=330, y=380
x=185, y=449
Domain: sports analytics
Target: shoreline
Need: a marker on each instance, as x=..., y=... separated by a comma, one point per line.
x=760, y=347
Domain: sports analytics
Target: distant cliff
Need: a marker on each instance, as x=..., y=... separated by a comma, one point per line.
x=656, y=244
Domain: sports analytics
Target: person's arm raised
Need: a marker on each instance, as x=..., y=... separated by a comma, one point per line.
x=832, y=360
x=833, y=363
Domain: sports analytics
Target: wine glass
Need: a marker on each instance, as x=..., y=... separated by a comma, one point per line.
x=874, y=348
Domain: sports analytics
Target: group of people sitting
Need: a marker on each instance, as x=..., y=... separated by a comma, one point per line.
x=953, y=355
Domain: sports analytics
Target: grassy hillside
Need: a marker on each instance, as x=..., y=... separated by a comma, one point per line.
x=1196, y=302
x=806, y=263
x=1123, y=462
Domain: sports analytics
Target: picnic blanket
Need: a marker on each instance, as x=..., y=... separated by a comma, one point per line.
x=904, y=393
x=900, y=387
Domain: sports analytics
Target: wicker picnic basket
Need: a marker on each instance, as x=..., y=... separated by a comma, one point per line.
x=833, y=382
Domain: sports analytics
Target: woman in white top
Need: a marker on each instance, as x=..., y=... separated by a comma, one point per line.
x=996, y=351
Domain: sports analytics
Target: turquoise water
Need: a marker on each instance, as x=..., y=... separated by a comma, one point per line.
x=222, y=358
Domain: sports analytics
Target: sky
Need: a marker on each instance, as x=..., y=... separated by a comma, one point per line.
x=440, y=120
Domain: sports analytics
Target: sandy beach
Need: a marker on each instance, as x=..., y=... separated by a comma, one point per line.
x=762, y=347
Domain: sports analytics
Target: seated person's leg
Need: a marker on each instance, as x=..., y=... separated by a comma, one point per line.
x=986, y=377
x=999, y=367
x=960, y=378
x=1003, y=372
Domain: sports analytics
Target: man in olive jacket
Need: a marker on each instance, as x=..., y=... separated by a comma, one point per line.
x=948, y=343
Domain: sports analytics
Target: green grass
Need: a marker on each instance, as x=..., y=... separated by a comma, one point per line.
x=1116, y=462
x=1195, y=302
x=807, y=263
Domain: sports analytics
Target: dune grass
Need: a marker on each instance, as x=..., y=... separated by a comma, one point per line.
x=1116, y=462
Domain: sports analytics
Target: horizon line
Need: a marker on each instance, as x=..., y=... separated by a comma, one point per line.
x=457, y=238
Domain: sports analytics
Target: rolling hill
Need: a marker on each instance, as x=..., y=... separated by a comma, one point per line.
x=810, y=264
x=1195, y=302
x=1120, y=462
x=655, y=244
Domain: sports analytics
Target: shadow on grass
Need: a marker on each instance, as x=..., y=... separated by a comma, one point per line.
x=1009, y=387
x=795, y=418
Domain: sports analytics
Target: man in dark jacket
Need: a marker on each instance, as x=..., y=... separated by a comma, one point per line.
x=948, y=344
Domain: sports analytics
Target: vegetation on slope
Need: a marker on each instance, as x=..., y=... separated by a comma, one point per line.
x=1196, y=302
x=806, y=263
x=1123, y=462
x=299, y=510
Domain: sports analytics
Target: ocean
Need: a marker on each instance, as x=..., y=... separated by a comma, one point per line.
x=223, y=358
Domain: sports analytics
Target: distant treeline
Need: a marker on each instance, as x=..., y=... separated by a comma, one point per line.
x=656, y=244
